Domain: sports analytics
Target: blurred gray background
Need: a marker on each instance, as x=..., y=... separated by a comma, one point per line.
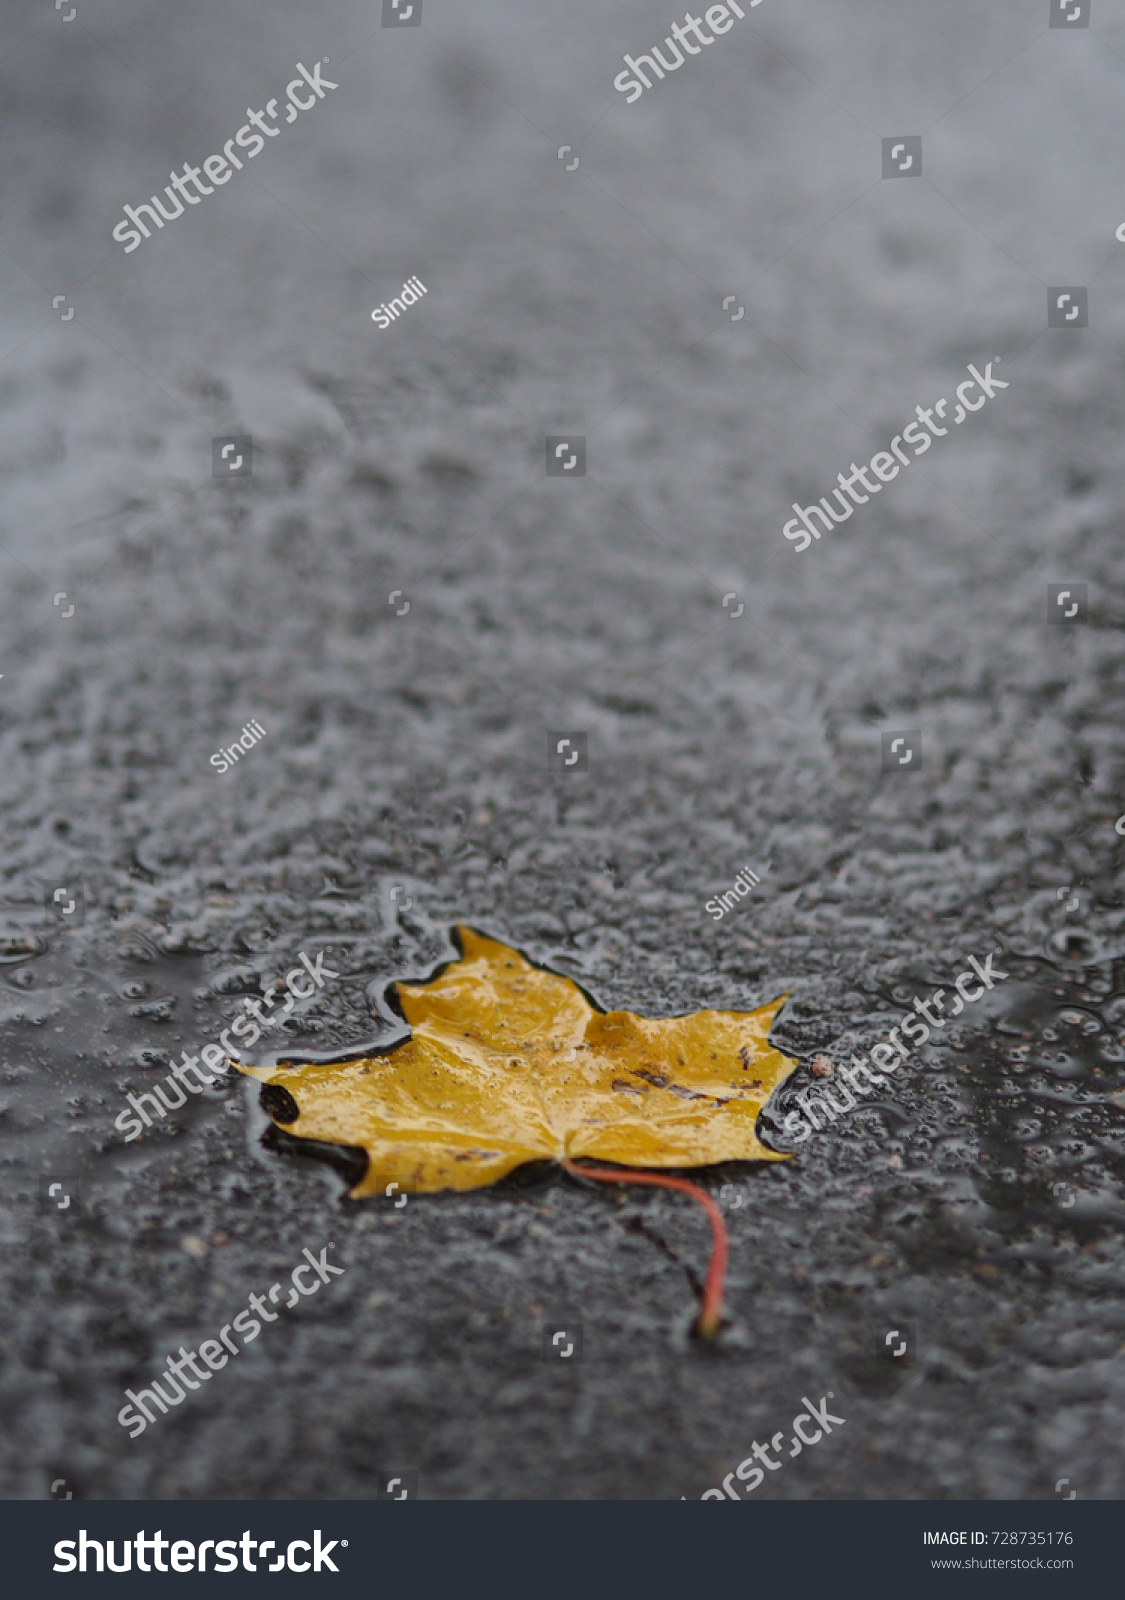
x=411, y=750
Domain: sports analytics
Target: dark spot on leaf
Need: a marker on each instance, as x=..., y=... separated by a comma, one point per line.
x=650, y=1077
x=666, y=1083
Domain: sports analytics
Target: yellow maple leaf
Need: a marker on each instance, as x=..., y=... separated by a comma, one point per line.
x=509, y=1063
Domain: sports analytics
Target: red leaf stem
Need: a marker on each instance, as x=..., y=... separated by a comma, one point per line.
x=711, y=1309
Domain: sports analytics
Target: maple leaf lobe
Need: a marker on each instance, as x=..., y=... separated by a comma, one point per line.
x=452, y=1108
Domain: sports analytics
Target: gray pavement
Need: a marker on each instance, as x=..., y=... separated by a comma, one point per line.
x=978, y=1206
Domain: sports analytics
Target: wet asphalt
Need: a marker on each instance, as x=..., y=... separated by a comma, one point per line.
x=416, y=613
